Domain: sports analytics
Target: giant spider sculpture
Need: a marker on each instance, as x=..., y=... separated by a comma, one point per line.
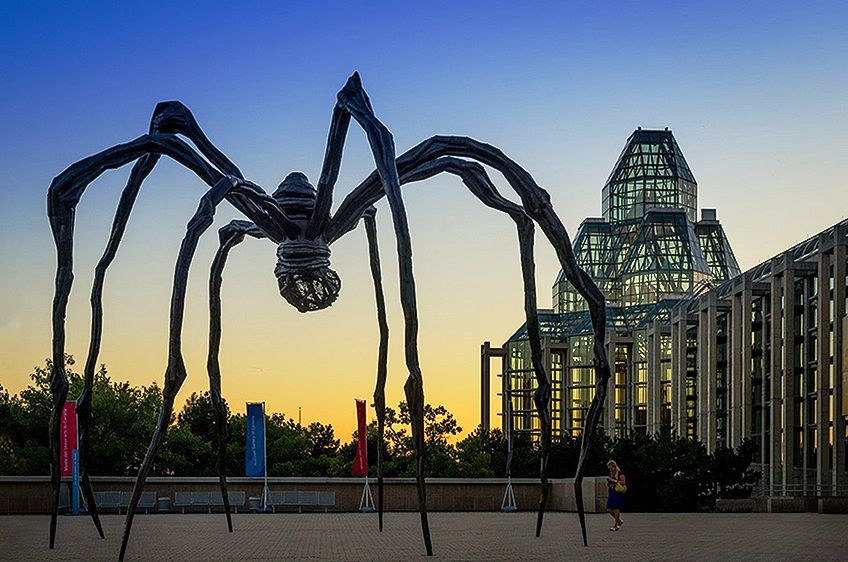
x=297, y=218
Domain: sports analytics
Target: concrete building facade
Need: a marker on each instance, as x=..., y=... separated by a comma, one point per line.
x=695, y=345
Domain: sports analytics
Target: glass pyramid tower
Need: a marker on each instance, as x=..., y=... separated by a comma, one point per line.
x=651, y=172
x=648, y=253
x=648, y=247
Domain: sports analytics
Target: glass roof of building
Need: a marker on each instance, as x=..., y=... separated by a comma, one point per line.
x=648, y=246
x=650, y=172
x=640, y=261
x=558, y=326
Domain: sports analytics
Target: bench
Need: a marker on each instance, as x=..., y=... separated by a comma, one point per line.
x=147, y=501
x=121, y=500
x=207, y=500
x=301, y=499
x=193, y=500
x=108, y=500
x=236, y=500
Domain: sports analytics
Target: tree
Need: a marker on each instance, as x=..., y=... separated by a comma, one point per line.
x=665, y=472
x=729, y=473
x=322, y=440
x=482, y=454
x=123, y=418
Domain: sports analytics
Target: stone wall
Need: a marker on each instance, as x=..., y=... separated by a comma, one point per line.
x=31, y=494
x=784, y=504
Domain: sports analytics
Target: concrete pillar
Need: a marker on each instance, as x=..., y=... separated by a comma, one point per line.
x=746, y=389
x=822, y=371
x=653, y=404
x=775, y=429
x=505, y=393
x=546, y=361
x=630, y=392
x=678, y=373
x=740, y=421
x=788, y=379
x=735, y=409
x=608, y=418
x=707, y=371
x=485, y=388
x=839, y=478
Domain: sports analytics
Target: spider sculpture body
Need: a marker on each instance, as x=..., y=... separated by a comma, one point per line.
x=297, y=218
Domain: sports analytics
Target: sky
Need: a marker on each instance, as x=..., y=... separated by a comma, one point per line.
x=753, y=91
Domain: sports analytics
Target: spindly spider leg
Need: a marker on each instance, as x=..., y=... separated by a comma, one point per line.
x=168, y=117
x=141, y=169
x=175, y=372
x=339, y=125
x=474, y=176
x=382, y=353
x=63, y=196
x=536, y=203
x=230, y=236
x=352, y=98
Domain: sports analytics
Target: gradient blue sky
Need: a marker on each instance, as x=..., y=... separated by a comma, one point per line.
x=754, y=92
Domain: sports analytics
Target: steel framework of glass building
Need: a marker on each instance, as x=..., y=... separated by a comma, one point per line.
x=696, y=345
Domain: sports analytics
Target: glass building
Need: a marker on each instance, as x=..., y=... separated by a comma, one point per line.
x=694, y=344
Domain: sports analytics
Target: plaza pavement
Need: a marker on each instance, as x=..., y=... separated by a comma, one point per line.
x=456, y=536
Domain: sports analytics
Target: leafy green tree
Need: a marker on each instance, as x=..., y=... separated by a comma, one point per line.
x=482, y=454
x=190, y=447
x=185, y=454
x=123, y=420
x=322, y=440
x=198, y=416
x=665, y=472
x=11, y=435
x=236, y=439
x=439, y=426
x=729, y=474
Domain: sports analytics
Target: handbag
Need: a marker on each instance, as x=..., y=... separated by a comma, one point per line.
x=620, y=488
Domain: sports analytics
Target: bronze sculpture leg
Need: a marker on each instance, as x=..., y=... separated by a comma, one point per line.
x=478, y=182
x=141, y=169
x=170, y=118
x=597, y=309
x=536, y=204
x=175, y=372
x=352, y=98
x=230, y=236
x=382, y=353
x=63, y=196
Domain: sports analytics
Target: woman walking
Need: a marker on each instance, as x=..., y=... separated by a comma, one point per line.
x=617, y=487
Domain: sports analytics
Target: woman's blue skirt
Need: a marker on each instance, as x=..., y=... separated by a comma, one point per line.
x=615, y=500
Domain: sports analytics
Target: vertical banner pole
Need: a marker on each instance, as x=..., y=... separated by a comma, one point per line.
x=360, y=465
x=75, y=496
x=508, y=504
x=266, y=493
x=256, y=460
x=68, y=454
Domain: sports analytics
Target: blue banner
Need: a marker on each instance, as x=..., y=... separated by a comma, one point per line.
x=254, y=451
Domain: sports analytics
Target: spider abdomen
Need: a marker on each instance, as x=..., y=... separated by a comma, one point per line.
x=296, y=196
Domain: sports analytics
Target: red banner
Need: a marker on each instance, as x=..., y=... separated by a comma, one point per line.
x=68, y=438
x=360, y=465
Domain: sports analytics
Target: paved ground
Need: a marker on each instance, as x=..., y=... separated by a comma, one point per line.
x=456, y=536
